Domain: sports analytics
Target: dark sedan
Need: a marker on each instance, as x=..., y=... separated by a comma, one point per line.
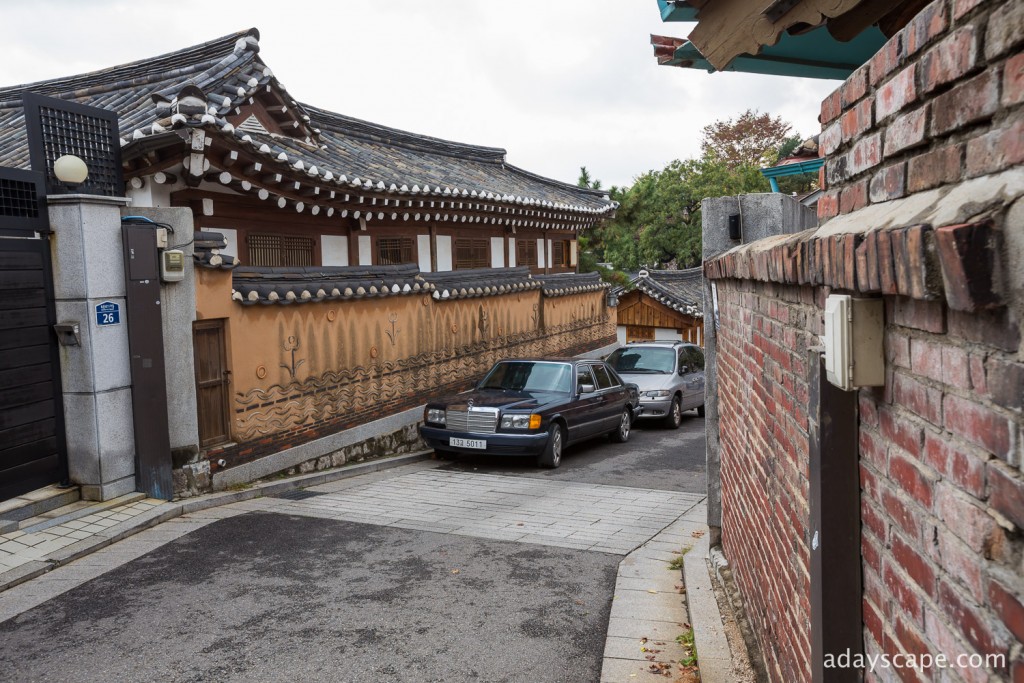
x=535, y=408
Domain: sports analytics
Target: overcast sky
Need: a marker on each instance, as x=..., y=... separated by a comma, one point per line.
x=558, y=84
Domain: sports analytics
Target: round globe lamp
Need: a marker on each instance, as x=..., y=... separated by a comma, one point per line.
x=70, y=169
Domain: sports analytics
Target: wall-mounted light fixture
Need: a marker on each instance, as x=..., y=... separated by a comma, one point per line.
x=70, y=169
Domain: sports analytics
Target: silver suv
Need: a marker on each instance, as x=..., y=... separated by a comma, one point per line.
x=670, y=375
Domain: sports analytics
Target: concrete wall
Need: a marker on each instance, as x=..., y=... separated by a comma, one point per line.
x=924, y=208
x=88, y=269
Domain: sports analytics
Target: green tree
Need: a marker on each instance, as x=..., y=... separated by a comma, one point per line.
x=658, y=224
x=751, y=139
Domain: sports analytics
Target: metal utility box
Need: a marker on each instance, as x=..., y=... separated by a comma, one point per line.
x=854, y=332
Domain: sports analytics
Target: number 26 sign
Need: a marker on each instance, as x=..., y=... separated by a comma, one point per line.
x=108, y=313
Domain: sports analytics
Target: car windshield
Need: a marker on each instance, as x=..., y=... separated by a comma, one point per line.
x=643, y=360
x=529, y=376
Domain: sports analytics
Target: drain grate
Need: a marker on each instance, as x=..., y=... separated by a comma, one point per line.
x=300, y=494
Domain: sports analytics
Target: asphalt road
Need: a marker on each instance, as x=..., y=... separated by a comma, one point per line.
x=278, y=597
x=653, y=458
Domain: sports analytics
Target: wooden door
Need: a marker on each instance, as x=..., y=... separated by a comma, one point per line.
x=211, y=382
x=639, y=333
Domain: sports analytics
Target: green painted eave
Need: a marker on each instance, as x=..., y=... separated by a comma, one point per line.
x=809, y=166
x=815, y=54
x=670, y=11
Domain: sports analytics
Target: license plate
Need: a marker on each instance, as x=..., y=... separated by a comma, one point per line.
x=467, y=443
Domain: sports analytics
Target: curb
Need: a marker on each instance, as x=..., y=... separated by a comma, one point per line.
x=714, y=658
x=170, y=510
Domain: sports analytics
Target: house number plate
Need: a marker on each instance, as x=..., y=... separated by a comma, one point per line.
x=467, y=443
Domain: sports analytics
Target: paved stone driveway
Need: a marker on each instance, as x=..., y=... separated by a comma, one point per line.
x=611, y=519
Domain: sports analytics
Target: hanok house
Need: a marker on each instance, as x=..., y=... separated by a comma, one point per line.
x=343, y=271
x=662, y=304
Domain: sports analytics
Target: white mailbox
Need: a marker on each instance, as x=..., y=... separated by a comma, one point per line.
x=854, y=333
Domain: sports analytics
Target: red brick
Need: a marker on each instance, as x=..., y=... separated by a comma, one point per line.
x=1004, y=29
x=955, y=367
x=955, y=56
x=885, y=61
x=977, y=424
x=900, y=431
x=1013, y=81
x=831, y=138
x=978, y=382
x=872, y=620
x=873, y=523
x=905, y=596
x=902, y=515
x=1005, y=380
x=991, y=327
x=996, y=150
x=916, y=566
x=868, y=409
x=966, y=619
x=854, y=88
x=959, y=563
x=906, y=131
x=962, y=7
x=896, y=93
x=828, y=205
x=926, y=359
x=1006, y=493
x=965, y=519
x=1017, y=673
x=929, y=316
x=1008, y=606
x=897, y=345
x=923, y=400
x=853, y=197
x=936, y=167
x=926, y=26
x=831, y=108
x=937, y=630
x=889, y=183
x=910, y=479
x=967, y=103
x=872, y=450
x=856, y=119
x=964, y=469
x=866, y=153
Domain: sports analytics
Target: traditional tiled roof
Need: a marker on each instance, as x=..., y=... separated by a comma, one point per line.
x=563, y=284
x=680, y=290
x=324, y=161
x=208, y=249
x=296, y=285
x=288, y=285
x=464, y=284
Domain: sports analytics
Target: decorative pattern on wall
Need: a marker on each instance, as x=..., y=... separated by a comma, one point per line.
x=352, y=391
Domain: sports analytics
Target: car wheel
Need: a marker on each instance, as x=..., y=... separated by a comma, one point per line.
x=675, y=414
x=552, y=455
x=621, y=433
x=700, y=410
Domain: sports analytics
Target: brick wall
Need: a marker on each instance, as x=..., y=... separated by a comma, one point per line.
x=938, y=103
x=923, y=208
x=763, y=339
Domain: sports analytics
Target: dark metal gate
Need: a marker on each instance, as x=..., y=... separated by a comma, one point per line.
x=32, y=448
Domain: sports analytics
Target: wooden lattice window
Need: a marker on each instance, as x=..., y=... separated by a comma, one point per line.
x=471, y=253
x=392, y=251
x=280, y=250
x=526, y=252
x=560, y=253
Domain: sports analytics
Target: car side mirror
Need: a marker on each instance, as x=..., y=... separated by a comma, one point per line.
x=587, y=389
x=683, y=369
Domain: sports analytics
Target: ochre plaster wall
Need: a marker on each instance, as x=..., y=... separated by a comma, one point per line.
x=301, y=371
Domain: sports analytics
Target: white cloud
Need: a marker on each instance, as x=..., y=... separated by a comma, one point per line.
x=557, y=84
